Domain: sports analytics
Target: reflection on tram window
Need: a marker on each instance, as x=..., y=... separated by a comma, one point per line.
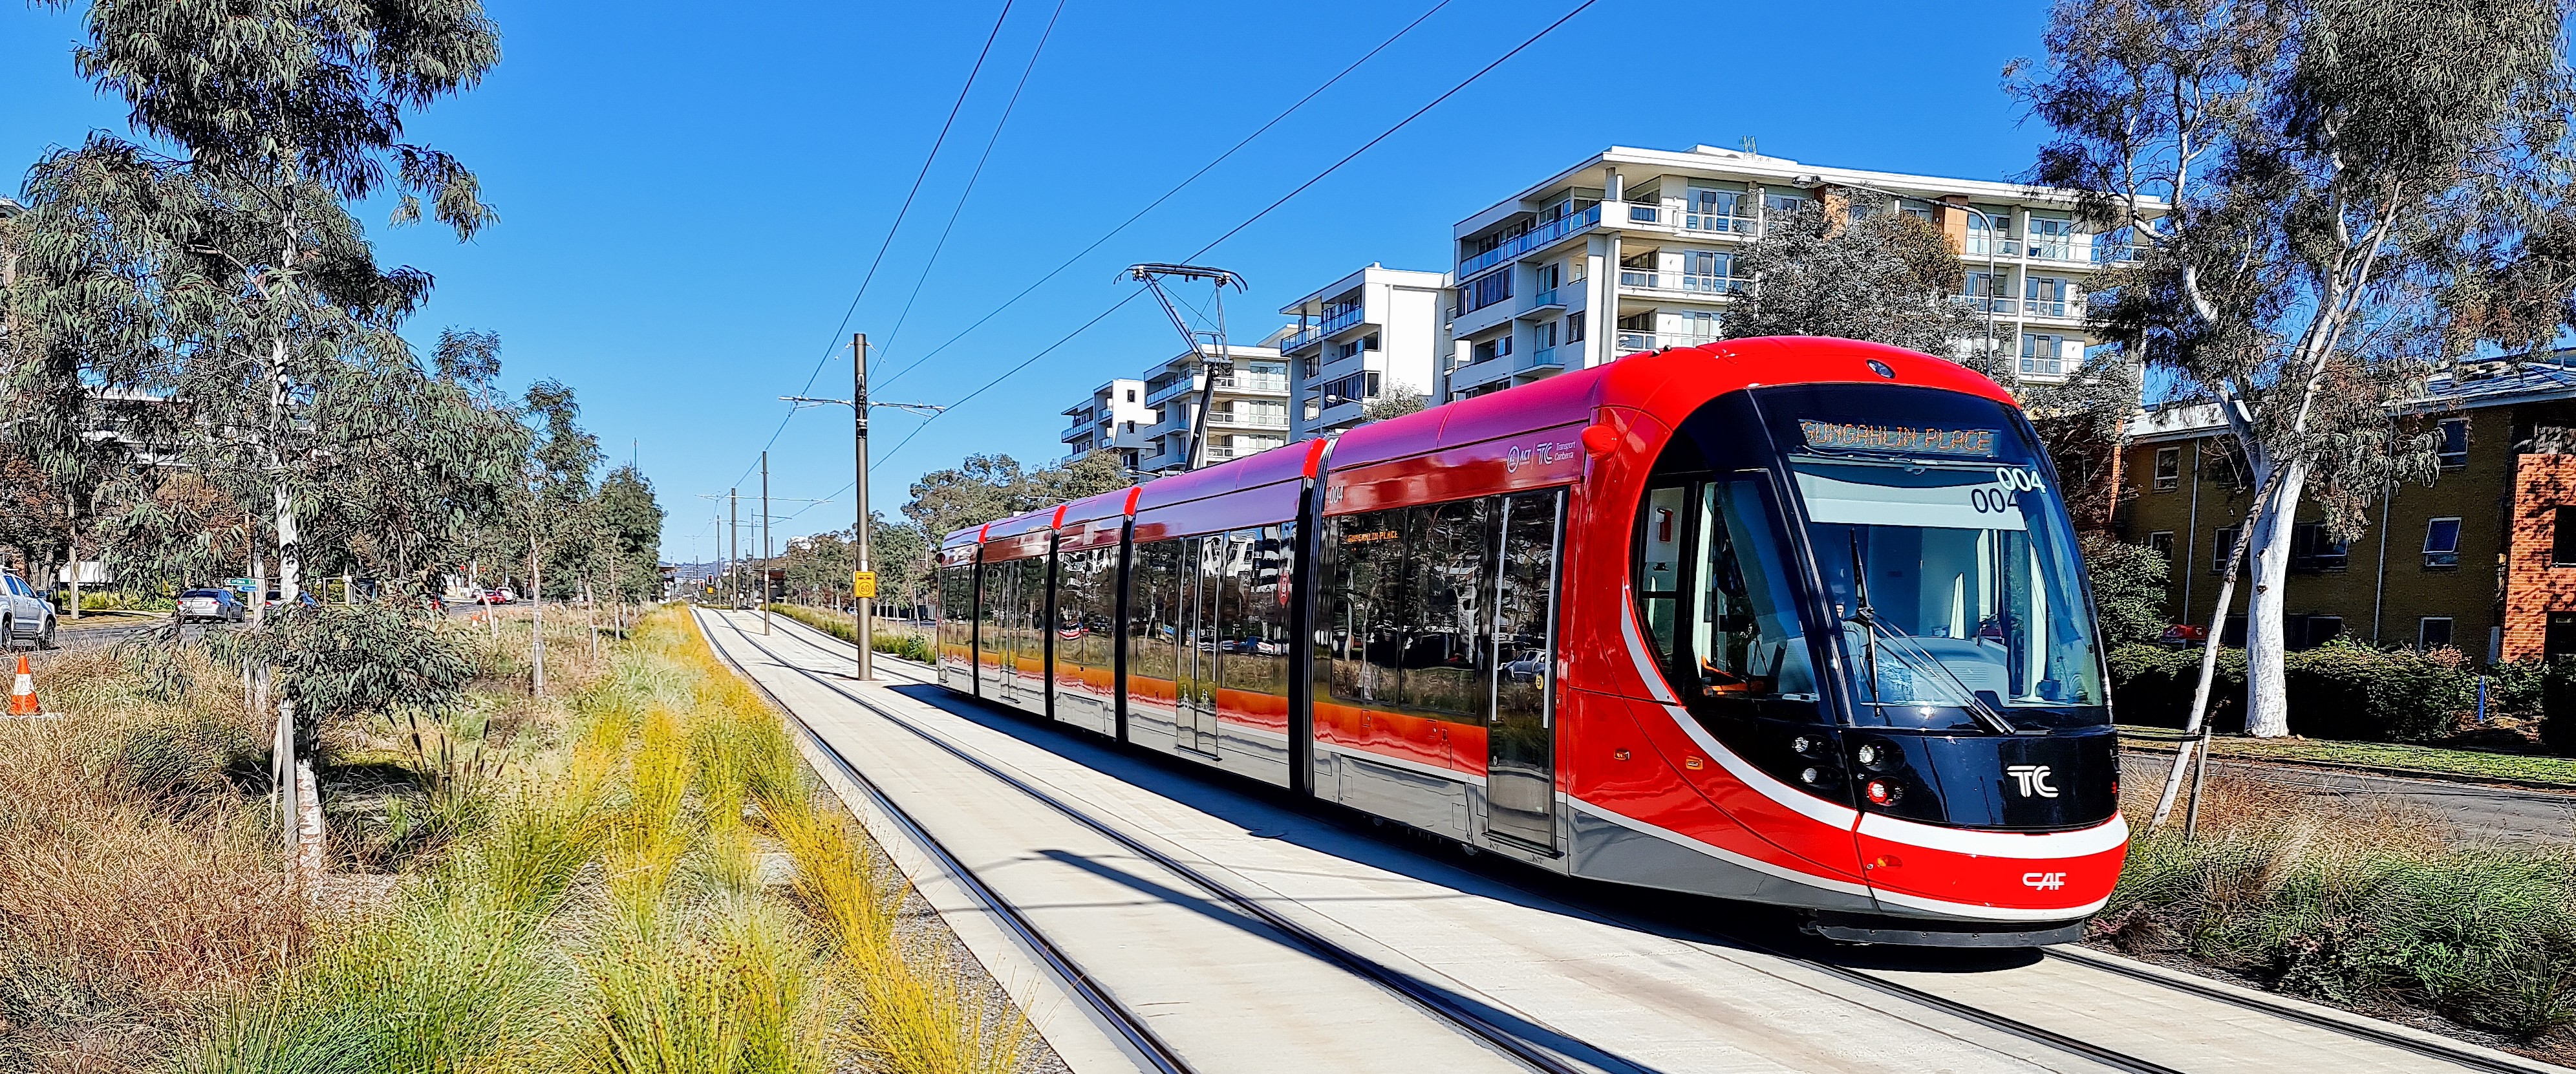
x=1746, y=632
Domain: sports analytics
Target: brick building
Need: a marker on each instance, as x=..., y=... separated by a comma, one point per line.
x=2483, y=559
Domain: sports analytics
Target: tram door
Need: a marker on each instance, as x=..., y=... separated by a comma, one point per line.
x=1520, y=734
x=1194, y=679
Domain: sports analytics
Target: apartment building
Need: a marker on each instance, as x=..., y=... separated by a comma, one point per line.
x=1634, y=250
x=1247, y=413
x=2483, y=559
x=1374, y=333
x=1113, y=419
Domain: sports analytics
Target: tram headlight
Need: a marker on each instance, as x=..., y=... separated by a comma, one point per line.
x=1802, y=745
x=1809, y=776
x=1883, y=792
x=1867, y=755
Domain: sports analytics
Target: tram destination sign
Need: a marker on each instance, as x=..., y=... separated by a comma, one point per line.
x=1908, y=439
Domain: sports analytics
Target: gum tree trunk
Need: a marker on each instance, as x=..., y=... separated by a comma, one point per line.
x=2267, y=702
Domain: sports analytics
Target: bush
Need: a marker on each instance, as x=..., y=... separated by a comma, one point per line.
x=2128, y=588
x=2340, y=690
x=2558, y=705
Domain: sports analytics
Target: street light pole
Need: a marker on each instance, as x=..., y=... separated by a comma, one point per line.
x=764, y=544
x=863, y=609
x=733, y=559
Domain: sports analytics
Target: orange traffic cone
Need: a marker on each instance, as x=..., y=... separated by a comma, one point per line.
x=22, y=697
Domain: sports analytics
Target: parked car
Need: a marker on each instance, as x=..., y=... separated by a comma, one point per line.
x=1531, y=665
x=25, y=613
x=500, y=595
x=211, y=605
x=2179, y=635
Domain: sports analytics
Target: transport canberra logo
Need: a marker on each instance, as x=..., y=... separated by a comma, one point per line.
x=1548, y=454
x=2033, y=779
x=1930, y=440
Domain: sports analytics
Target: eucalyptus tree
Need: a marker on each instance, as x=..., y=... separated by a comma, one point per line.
x=633, y=520
x=265, y=295
x=553, y=498
x=2334, y=196
x=1883, y=277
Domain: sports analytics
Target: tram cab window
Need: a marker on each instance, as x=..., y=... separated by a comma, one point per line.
x=1659, y=577
x=1745, y=635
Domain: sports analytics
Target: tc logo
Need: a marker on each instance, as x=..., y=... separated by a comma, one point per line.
x=2033, y=779
x=2044, y=881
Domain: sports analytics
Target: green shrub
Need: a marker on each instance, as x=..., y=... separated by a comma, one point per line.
x=2340, y=690
x=2128, y=588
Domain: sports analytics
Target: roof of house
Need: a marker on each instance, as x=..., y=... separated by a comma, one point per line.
x=2470, y=386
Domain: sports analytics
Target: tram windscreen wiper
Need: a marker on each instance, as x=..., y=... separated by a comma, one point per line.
x=1909, y=652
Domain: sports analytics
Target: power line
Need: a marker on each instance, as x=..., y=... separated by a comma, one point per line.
x=1007, y=108
x=1248, y=221
x=962, y=91
x=1176, y=188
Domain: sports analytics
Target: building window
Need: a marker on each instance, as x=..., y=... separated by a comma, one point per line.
x=2442, y=542
x=2562, y=539
x=2433, y=632
x=1778, y=208
x=2168, y=469
x=2161, y=543
x=2312, y=549
x=2040, y=354
x=1574, y=326
x=1131, y=395
x=1484, y=291
x=1497, y=347
x=2455, y=443
x=2221, y=543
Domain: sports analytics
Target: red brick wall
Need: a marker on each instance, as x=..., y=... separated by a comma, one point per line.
x=2533, y=588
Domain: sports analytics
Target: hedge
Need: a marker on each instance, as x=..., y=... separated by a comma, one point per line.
x=2339, y=690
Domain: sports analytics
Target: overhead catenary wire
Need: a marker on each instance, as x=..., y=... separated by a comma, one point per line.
x=1250, y=220
x=1176, y=188
x=972, y=73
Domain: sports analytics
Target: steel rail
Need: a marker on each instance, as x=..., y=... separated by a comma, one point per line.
x=2002, y=1023
x=1422, y=995
x=1128, y=1023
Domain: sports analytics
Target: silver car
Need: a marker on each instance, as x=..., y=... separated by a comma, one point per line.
x=25, y=615
x=210, y=605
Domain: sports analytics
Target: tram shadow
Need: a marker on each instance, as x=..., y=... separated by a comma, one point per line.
x=1267, y=812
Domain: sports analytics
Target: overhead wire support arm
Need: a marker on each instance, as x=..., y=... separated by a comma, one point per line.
x=1151, y=275
x=908, y=408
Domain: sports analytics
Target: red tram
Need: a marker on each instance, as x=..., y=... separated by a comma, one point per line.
x=1797, y=621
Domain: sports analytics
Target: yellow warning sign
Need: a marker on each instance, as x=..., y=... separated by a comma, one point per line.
x=864, y=583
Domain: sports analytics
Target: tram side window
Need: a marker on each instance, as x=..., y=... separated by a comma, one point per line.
x=1153, y=599
x=1524, y=605
x=957, y=607
x=1365, y=610
x=1408, y=606
x=1445, y=655
x=1081, y=598
x=993, y=614
x=1659, y=574
x=1746, y=633
x=1252, y=610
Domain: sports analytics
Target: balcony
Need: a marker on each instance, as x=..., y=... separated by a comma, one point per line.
x=1984, y=246
x=1994, y=304
x=1343, y=319
x=2118, y=254
x=1159, y=392
x=1641, y=213
x=1547, y=299
x=1305, y=337
x=1540, y=358
x=1546, y=232
x=1254, y=382
x=1234, y=419
x=2053, y=307
x=2059, y=248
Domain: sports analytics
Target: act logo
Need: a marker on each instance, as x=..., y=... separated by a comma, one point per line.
x=2044, y=881
x=2033, y=779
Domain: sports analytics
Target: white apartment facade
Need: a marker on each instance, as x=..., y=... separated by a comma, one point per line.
x=1375, y=333
x=1113, y=419
x=1634, y=250
x=1247, y=414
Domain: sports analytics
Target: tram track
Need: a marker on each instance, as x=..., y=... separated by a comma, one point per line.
x=1130, y=1022
x=2054, y=1040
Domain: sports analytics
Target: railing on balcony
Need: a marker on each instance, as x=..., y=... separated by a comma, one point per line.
x=1631, y=342
x=1639, y=213
x=1984, y=304
x=2058, y=249
x=1647, y=280
x=1720, y=223
x=1545, y=299
x=1546, y=232
x=1986, y=246
x=1539, y=358
x=2053, y=307
x=2118, y=254
x=1342, y=320
x=1254, y=382
x=1305, y=337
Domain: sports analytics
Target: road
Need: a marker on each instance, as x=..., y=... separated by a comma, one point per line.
x=2473, y=811
x=1055, y=824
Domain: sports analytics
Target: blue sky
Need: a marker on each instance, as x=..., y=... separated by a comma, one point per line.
x=690, y=194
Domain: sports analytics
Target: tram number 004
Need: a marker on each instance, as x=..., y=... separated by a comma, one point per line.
x=2009, y=482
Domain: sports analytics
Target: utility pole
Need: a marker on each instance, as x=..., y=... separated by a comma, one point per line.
x=764, y=543
x=862, y=608
x=733, y=560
